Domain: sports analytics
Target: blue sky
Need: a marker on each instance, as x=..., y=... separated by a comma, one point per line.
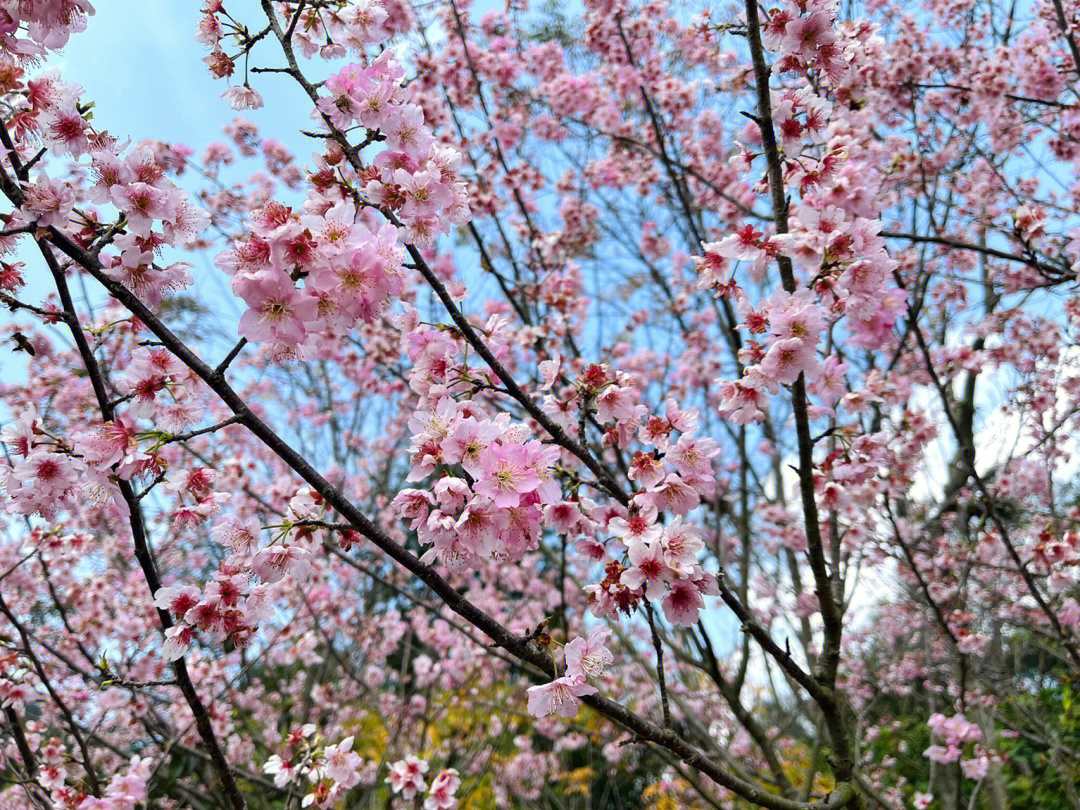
x=139, y=61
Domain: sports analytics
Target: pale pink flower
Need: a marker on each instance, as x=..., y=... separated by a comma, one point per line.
x=786, y=360
x=477, y=527
x=830, y=383
x=273, y=563
x=177, y=642
x=549, y=372
x=564, y=516
x=745, y=245
x=424, y=193
x=683, y=603
x=243, y=97
x=645, y=468
x=637, y=529
x=588, y=656
x=342, y=764
x=681, y=545
x=647, y=570
x=560, y=697
x=49, y=201
x=614, y=402
x=278, y=311
x=673, y=494
x=240, y=537
x=975, y=768
x=339, y=106
x=65, y=130
x=142, y=204
x=693, y=457
x=467, y=442
x=283, y=770
x=407, y=776
x=178, y=599
x=443, y=790
x=506, y=474
x=406, y=131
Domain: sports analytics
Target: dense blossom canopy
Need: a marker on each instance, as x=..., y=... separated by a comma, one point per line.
x=634, y=404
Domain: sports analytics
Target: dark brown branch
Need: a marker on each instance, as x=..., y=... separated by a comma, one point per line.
x=829, y=601
x=660, y=677
x=1030, y=261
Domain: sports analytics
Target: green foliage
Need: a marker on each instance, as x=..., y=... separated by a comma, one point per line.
x=1043, y=767
x=1040, y=765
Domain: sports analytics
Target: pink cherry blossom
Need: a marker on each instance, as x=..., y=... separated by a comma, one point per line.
x=588, y=656
x=560, y=697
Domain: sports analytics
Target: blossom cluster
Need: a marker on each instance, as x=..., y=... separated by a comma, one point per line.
x=330, y=771
x=413, y=176
x=407, y=779
x=49, y=473
x=44, y=26
x=127, y=789
x=653, y=549
x=804, y=36
x=584, y=658
x=843, y=254
x=492, y=504
x=230, y=606
x=350, y=272
x=133, y=179
x=953, y=732
x=350, y=265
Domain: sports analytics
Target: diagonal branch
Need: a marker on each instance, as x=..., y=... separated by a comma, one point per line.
x=642, y=729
